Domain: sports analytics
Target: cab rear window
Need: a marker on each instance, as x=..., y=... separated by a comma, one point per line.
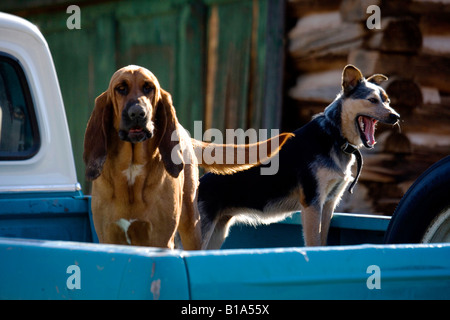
x=19, y=134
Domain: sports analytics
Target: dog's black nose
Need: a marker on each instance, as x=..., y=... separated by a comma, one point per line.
x=136, y=112
x=394, y=117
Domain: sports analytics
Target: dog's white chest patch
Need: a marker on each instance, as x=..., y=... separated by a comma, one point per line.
x=132, y=172
x=124, y=225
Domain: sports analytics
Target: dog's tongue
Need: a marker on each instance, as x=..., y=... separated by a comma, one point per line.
x=369, y=130
x=135, y=130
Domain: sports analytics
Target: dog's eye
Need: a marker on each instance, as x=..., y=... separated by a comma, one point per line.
x=122, y=89
x=373, y=100
x=147, y=88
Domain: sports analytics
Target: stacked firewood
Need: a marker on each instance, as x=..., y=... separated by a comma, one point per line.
x=411, y=47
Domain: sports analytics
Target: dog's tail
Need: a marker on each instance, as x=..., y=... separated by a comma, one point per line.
x=231, y=158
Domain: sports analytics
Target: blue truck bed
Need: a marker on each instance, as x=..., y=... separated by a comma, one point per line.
x=61, y=260
x=41, y=270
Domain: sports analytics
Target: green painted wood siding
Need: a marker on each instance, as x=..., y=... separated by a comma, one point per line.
x=221, y=60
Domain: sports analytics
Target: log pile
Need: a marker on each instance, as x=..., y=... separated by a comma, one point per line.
x=412, y=48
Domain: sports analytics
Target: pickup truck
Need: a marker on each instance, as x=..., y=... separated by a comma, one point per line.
x=49, y=248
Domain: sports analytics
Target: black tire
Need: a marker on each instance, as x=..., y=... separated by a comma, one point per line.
x=427, y=198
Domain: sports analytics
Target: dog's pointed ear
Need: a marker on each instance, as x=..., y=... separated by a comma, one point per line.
x=351, y=77
x=169, y=138
x=96, y=136
x=377, y=78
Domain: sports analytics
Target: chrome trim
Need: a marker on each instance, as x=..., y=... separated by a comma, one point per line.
x=41, y=188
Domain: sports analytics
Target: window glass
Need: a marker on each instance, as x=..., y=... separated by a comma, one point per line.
x=19, y=134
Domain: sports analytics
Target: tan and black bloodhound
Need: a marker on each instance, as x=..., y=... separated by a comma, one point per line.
x=144, y=165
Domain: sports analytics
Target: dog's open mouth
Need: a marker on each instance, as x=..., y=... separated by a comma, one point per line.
x=136, y=130
x=366, y=127
x=135, y=134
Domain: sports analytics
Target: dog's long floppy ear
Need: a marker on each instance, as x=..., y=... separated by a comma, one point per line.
x=377, y=78
x=351, y=77
x=169, y=138
x=97, y=135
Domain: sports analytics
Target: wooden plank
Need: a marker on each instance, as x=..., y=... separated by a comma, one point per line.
x=436, y=45
x=313, y=42
x=427, y=70
x=149, y=41
x=405, y=94
x=433, y=71
x=300, y=8
x=234, y=31
x=190, y=81
x=271, y=67
x=395, y=35
x=168, y=39
x=319, y=87
x=245, y=60
x=371, y=62
x=429, y=7
x=430, y=95
x=254, y=112
x=322, y=41
x=213, y=36
x=355, y=10
x=34, y=7
x=316, y=31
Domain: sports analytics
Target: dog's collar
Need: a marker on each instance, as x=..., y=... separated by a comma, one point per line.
x=348, y=148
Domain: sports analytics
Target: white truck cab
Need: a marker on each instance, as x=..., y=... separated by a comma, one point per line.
x=35, y=148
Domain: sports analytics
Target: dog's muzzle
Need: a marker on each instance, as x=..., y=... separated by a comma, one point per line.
x=136, y=113
x=394, y=117
x=134, y=123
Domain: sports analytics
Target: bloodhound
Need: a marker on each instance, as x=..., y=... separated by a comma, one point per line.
x=144, y=165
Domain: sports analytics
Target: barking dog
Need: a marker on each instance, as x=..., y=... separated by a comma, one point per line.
x=314, y=167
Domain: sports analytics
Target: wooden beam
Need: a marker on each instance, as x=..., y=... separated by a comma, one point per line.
x=300, y=8
x=371, y=62
x=405, y=94
x=317, y=87
x=395, y=35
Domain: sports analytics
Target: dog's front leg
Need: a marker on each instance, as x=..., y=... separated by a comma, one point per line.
x=327, y=214
x=220, y=232
x=189, y=227
x=311, y=222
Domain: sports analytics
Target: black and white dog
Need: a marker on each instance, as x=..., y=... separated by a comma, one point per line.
x=314, y=167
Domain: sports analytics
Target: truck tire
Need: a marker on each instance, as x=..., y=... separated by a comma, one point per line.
x=423, y=214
